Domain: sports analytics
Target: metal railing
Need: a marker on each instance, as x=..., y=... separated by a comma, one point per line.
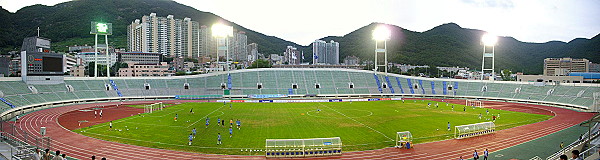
x=23, y=143
x=578, y=142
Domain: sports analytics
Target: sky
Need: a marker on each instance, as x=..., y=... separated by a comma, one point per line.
x=304, y=21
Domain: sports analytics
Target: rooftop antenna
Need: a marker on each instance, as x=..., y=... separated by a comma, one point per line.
x=38, y=29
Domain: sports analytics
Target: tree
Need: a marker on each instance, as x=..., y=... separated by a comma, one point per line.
x=260, y=64
x=506, y=75
x=101, y=68
x=115, y=68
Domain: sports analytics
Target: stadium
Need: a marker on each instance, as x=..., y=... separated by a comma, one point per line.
x=287, y=112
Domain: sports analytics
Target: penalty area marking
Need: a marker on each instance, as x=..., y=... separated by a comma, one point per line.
x=205, y=116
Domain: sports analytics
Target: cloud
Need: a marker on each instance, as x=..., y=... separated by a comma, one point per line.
x=491, y=3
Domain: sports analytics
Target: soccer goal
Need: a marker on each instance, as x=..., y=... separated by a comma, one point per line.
x=474, y=103
x=472, y=130
x=402, y=138
x=153, y=107
x=303, y=147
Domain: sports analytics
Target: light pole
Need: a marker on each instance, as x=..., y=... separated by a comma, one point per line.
x=488, y=40
x=99, y=28
x=381, y=33
x=222, y=31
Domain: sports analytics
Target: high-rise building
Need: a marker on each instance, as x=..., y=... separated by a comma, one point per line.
x=291, y=55
x=326, y=53
x=564, y=66
x=237, y=46
x=252, y=50
x=206, y=42
x=165, y=35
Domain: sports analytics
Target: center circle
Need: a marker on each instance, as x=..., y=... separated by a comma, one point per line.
x=339, y=114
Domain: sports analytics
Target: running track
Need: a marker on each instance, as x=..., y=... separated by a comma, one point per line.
x=83, y=147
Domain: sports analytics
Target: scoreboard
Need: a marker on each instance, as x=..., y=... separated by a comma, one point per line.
x=44, y=64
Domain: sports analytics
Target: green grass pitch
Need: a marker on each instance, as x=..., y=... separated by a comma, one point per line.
x=361, y=125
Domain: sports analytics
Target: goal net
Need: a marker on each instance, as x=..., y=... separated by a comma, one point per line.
x=153, y=107
x=472, y=130
x=474, y=103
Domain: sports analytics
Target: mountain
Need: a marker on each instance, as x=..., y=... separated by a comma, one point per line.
x=68, y=23
x=445, y=45
x=451, y=45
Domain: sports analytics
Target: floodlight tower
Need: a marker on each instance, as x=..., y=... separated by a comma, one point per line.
x=222, y=31
x=488, y=40
x=381, y=33
x=99, y=28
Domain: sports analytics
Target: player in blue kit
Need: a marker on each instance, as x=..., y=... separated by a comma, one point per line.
x=191, y=137
x=218, y=138
x=230, y=131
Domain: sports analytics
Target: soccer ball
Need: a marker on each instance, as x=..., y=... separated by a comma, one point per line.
x=437, y=129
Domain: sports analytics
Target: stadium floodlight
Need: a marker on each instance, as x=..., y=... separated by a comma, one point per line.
x=221, y=30
x=381, y=33
x=489, y=39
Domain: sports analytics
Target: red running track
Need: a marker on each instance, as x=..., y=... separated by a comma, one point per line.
x=83, y=147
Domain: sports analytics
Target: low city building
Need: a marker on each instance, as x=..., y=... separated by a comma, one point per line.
x=351, y=60
x=139, y=57
x=587, y=76
x=146, y=70
x=564, y=66
x=550, y=79
x=78, y=71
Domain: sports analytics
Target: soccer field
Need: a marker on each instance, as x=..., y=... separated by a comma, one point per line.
x=360, y=125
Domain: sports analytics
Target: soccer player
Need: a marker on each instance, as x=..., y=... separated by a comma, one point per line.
x=222, y=123
x=448, y=126
x=95, y=113
x=230, y=131
x=191, y=110
x=110, y=125
x=218, y=138
x=475, y=155
x=176, y=116
x=452, y=107
x=436, y=105
x=402, y=101
x=479, y=115
x=229, y=105
x=487, y=111
x=231, y=122
x=17, y=118
x=191, y=137
x=494, y=118
x=485, y=154
x=464, y=109
x=428, y=104
x=100, y=113
x=218, y=120
x=207, y=122
x=194, y=132
x=239, y=123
